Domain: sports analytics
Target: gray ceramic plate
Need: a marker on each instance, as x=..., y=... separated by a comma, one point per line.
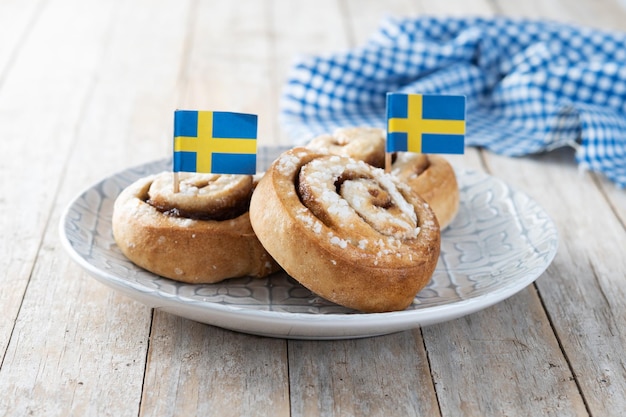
x=498, y=244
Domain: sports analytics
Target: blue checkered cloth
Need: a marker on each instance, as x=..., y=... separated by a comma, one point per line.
x=531, y=86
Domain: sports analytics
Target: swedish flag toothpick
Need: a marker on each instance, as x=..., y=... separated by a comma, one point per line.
x=215, y=142
x=425, y=123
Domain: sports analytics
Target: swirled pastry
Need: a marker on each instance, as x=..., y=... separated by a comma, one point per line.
x=361, y=143
x=431, y=176
x=346, y=230
x=201, y=234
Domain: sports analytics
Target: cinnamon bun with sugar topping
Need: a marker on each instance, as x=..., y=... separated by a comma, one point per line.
x=346, y=230
x=202, y=234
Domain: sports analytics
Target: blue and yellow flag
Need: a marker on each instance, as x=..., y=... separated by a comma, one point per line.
x=425, y=123
x=215, y=142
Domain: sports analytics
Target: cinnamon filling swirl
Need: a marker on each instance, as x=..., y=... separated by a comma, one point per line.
x=202, y=196
x=347, y=195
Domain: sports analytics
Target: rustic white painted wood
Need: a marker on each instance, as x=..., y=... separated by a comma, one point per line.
x=502, y=361
x=194, y=369
x=38, y=112
x=378, y=376
x=88, y=87
x=26, y=126
x=364, y=17
x=17, y=19
x=77, y=348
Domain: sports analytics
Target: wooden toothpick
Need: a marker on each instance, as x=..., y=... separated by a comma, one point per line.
x=176, y=183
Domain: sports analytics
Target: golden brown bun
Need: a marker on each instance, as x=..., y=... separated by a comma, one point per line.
x=346, y=230
x=431, y=176
x=361, y=143
x=189, y=249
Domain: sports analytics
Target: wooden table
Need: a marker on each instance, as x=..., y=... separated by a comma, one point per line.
x=87, y=89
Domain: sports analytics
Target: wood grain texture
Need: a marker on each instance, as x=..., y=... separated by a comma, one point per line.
x=227, y=66
x=16, y=21
x=69, y=355
x=502, y=361
x=31, y=167
x=77, y=348
x=87, y=88
x=194, y=369
x=602, y=14
x=364, y=17
x=378, y=376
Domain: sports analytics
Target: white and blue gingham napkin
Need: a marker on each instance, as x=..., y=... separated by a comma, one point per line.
x=531, y=86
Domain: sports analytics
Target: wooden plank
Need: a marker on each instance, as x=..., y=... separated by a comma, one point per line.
x=239, y=62
x=364, y=17
x=74, y=350
x=199, y=370
x=379, y=376
x=16, y=20
x=502, y=361
x=457, y=8
x=303, y=29
x=79, y=348
x=30, y=123
x=602, y=14
x=616, y=198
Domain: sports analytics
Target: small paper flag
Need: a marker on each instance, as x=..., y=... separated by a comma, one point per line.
x=215, y=142
x=425, y=123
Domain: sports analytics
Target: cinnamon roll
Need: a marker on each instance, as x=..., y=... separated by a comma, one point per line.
x=201, y=234
x=362, y=143
x=346, y=230
x=431, y=176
